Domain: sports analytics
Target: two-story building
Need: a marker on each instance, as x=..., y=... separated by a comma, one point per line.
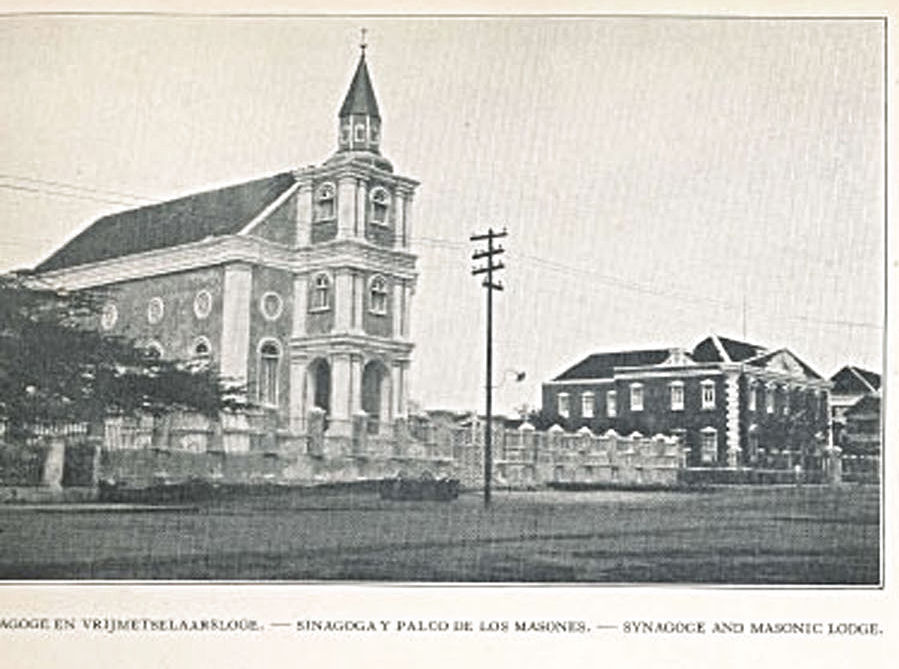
x=298, y=286
x=855, y=410
x=728, y=400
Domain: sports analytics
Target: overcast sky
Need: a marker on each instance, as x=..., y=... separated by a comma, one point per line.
x=658, y=177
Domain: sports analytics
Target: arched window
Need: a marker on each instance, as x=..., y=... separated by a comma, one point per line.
x=269, y=361
x=108, y=316
x=202, y=351
x=380, y=203
x=377, y=294
x=153, y=350
x=321, y=293
x=325, y=205
x=155, y=310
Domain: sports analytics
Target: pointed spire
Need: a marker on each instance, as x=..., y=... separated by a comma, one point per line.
x=360, y=99
x=359, y=121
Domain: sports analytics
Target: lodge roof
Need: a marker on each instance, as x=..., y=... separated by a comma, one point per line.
x=602, y=365
x=737, y=351
x=851, y=380
x=213, y=213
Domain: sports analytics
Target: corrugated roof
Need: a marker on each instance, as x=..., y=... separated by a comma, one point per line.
x=360, y=99
x=188, y=219
x=602, y=365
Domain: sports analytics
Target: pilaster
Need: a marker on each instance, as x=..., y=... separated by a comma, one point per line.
x=341, y=398
x=297, y=404
x=343, y=300
x=347, y=224
x=304, y=213
x=235, y=344
x=732, y=416
x=300, y=304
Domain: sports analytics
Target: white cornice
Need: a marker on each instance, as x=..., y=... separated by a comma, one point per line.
x=208, y=252
x=214, y=251
x=349, y=343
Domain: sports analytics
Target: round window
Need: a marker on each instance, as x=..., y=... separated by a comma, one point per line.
x=155, y=310
x=271, y=305
x=108, y=316
x=202, y=304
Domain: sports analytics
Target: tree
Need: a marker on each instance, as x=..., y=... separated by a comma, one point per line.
x=56, y=366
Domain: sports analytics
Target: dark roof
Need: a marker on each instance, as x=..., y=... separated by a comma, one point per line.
x=738, y=351
x=360, y=99
x=602, y=365
x=851, y=380
x=188, y=219
x=761, y=361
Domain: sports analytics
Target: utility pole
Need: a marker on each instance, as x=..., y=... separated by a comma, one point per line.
x=490, y=253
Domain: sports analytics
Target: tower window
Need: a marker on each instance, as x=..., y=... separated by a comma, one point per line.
x=373, y=133
x=378, y=296
x=380, y=200
x=321, y=293
x=325, y=206
x=269, y=359
x=345, y=134
x=360, y=132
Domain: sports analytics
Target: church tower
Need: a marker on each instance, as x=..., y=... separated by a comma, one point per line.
x=350, y=347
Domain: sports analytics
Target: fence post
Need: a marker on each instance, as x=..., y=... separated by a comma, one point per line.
x=51, y=476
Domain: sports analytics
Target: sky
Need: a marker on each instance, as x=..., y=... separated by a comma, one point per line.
x=660, y=179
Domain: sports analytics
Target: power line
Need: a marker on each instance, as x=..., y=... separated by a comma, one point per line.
x=42, y=191
x=79, y=187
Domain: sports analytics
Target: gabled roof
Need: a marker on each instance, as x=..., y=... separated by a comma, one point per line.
x=188, y=219
x=852, y=380
x=788, y=356
x=602, y=365
x=722, y=349
x=360, y=99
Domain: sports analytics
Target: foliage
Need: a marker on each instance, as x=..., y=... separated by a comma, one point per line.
x=57, y=366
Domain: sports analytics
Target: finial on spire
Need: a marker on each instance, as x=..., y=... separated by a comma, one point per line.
x=362, y=42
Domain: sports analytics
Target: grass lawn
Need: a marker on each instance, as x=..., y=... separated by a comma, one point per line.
x=738, y=535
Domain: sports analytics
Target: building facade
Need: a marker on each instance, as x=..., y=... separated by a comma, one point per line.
x=297, y=286
x=855, y=410
x=729, y=401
